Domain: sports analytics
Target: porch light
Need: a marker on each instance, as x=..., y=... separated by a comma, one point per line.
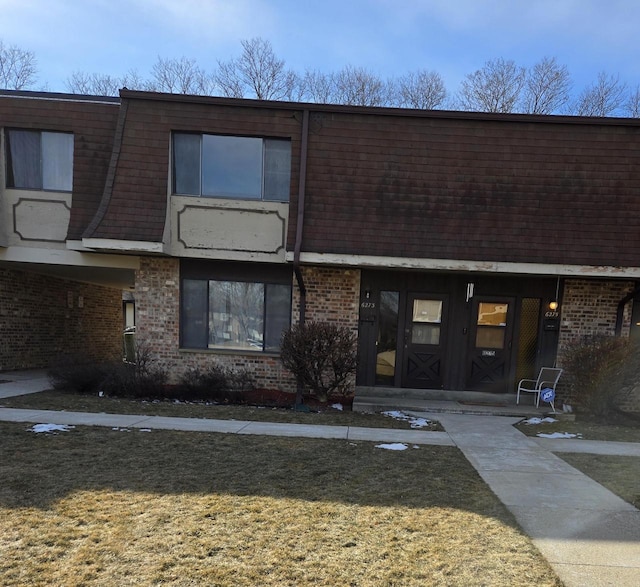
x=553, y=305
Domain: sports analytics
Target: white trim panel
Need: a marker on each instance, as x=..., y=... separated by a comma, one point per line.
x=123, y=246
x=466, y=266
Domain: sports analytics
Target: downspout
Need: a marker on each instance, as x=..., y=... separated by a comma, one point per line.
x=621, y=305
x=302, y=181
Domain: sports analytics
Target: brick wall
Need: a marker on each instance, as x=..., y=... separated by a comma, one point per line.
x=332, y=295
x=589, y=307
x=42, y=317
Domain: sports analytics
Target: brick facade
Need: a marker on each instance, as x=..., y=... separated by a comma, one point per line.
x=43, y=317
x=589, y=307
x=332, y=296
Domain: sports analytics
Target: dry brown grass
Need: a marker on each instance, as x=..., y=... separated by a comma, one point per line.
x=94, y=506
x=619, y=474
x=625, y=430
x=72, y=402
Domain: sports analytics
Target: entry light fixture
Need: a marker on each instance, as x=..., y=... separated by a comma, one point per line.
x=553, y=305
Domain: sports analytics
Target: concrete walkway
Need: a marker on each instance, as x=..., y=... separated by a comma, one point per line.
x=590, y=536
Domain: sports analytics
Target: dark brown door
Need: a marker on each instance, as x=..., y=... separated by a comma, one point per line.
x=424, y=346
x=490, y=344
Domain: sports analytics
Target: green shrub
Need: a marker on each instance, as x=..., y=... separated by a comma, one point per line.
x=322, y=356
x=215, y=383
x=602, y=370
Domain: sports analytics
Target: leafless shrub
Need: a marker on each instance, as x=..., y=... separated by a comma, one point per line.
x=322, y=356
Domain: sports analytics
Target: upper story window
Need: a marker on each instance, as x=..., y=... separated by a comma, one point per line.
x=39, y=160
x=233, y=167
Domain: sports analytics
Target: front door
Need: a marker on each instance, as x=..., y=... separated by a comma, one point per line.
x=490, y=344
x=424, y=342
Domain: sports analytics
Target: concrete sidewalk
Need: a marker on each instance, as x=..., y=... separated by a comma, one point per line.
x=590, y=536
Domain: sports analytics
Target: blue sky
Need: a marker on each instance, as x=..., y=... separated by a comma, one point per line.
x=388, y=37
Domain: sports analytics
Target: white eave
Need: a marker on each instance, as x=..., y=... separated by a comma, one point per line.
x=412, y=263
x=123, y=246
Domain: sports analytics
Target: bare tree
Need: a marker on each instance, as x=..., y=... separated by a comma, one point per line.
x=547, y=87
x=96, y=84
x=632, y=107
x=257, y=73
x=605, y=97
x=317, y=87
x=17, y=68
x=420, y=89
x=494, y=88
x=179, y=76
x=357, y=86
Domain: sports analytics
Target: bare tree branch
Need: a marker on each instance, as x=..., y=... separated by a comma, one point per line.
x=547, y=87
x=420, y=89
x=357, y=86
x=179, y=76
x=257, y=73
x=632, y=107
x=494, y=88
x=17, y=68
x=605, y=97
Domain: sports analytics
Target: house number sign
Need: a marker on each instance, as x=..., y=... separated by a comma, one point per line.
x=367, y=305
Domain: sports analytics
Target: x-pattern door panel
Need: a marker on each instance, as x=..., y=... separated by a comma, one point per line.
x=425, y=334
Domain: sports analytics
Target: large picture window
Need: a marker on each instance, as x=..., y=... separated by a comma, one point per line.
x=39, y=160
x=234, y=314
x=234, y=167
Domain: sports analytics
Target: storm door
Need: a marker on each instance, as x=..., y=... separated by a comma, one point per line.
x=490, y=344
x=424, y=346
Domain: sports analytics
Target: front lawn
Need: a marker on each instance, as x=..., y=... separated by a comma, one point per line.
x=74, y=402
x=94, y=506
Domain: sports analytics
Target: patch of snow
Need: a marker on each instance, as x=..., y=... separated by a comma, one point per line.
x=393, y=446
x=558, y=435
x=51, y=428
x=116, y=429
x=540, y=420
x=567, y=409
x=412, y=420
x=101, y=394
x=337, y=406
x=145, y=429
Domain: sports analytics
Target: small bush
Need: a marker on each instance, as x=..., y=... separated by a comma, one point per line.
x=601, y=370
x=322, y=356
x=215, y=383
x=141, y=379
x=78, y=374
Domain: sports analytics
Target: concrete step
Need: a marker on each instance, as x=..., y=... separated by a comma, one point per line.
x=381, y=399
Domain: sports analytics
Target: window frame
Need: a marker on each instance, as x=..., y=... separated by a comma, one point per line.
x=267, y=163
x=44, y=158
x=201, y=271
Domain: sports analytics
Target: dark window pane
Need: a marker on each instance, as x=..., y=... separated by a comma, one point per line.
x=490, y=337
x=24, y=169
x=232, y=166
x=423, y=333
x=387, y=337
x=186, y=164
x=57, y=161
x=194, y=313
x=277, y=315
x=277, y=169
x=236, y=311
